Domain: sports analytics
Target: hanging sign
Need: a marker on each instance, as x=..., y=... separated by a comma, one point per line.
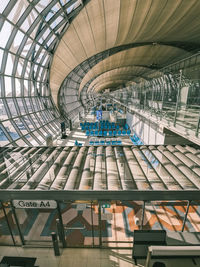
x=35, y=204
x=106, y=205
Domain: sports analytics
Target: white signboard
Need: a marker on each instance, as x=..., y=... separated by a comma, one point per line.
x=34, y=204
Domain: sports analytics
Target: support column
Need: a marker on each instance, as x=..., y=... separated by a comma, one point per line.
x=177, y=99
x=100, y=233
x=17, y=223
x=142, y=217
x=61, y=226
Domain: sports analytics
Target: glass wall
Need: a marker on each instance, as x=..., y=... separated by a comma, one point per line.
x=171, y=95
x=29, y=34
x=9, y=232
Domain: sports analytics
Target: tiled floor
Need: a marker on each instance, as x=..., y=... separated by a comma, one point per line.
x=88, y=258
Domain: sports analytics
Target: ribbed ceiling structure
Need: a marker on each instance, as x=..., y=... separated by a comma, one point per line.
x=59, y=52
x=113, y=42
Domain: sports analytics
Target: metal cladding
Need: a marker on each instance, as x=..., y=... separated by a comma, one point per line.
x=106, y=168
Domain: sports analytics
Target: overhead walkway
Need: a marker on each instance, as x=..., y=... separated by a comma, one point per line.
x=104, y=172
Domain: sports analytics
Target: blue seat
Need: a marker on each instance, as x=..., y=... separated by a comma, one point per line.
x=123, y=132
x=104, y=133
x=102, y=142
x=108, y=143
x=117, y=127
x=100, y=133
x=126, y=126
x=92, y=133
x=95, y=133
x=114, y=133
x=96, y=143
x=119, y=132
x=128, y=132
x=91, y=143
x=110, y=133
x=76, y=143
x=87, y=133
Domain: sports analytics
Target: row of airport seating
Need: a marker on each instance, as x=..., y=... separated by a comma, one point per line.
x=102, y=125
x=105, y=142
x=108, y=133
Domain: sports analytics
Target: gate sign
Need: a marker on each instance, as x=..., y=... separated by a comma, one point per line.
x=35, y=204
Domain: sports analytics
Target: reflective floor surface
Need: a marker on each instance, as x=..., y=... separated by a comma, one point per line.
x=89, y=258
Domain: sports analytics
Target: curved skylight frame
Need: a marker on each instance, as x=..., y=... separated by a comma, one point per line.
x=30, y=32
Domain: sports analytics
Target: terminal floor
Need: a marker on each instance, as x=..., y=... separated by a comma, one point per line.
x=80, y=136
x=89, y=257
x=82, y=226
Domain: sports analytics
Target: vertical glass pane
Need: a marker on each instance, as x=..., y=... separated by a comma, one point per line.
x=21, y=106
x=9, y=64
x=193, y=219
x=3, y=5
x=11, y=130
x=42, y=5
x=118, y=222
x=3, y=139
x=11, y=106
x=5, y=237
x=30, y=18
x=3, y=112
x=17, y=41
x=8, y=86
x=37, y=225
x=17, y=11
x=80, y=224
x=5, y=33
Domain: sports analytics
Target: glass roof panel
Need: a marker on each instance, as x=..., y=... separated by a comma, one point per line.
x=17, y=10
x=64, y=2
x=74, y=6
x=5, y=33
x=30, y=18
x=29, y=33
x=3, y=5
x=17, y=41
x=9, y=64
x=26, y=47
x=8, y=86
x=42, y=4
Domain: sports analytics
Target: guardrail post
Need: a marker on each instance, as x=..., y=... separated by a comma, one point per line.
x=55, y=244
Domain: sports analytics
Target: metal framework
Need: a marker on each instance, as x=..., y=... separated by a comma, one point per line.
x=30, y=33
x=101, y=173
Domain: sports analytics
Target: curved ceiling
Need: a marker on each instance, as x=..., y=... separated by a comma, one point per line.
x=143, y=57
x=105, y=24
